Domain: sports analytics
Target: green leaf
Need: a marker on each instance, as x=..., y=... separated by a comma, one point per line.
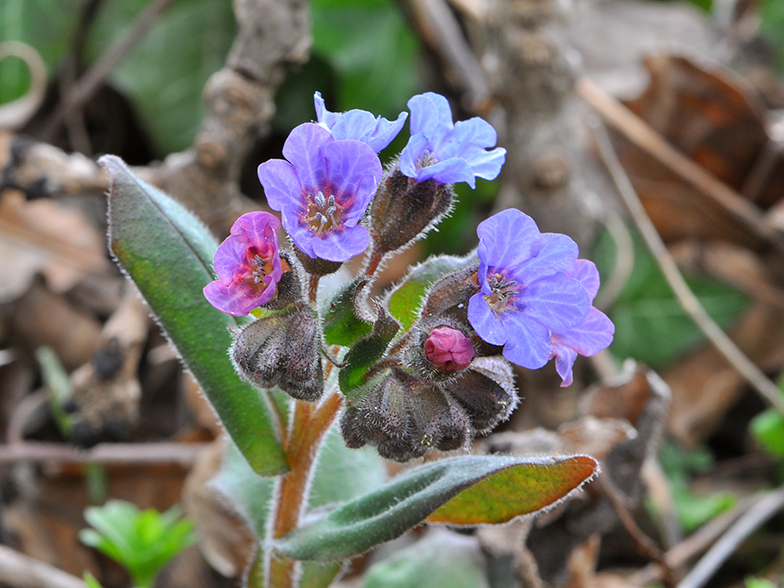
x=405, y=300
x=443, y=558
x=650, y=324
x=768, y=429
x=337, y=464
x=428, y=492
x=164, y=75
x=366, y=353
x=168, y=253
x=342, y=323
x=319, y=574
x=46, y=25
x=58, y=383
x=90, y=580
x=142, y=541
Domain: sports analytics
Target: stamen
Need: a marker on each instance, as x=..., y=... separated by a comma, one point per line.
x=323, y=214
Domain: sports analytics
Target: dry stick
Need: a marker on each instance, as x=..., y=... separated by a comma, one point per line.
x=646, y=138
x=116, y=453
x=695, y=544
x=441, y=30
x=768, y=506
x=83, y=89
x=672, y=274
x=21, y=571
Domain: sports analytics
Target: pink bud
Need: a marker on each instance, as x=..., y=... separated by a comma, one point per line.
x=449, y=349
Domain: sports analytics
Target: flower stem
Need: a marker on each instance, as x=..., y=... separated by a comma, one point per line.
x=375, y=260
x=309, y=427
x=313, y=290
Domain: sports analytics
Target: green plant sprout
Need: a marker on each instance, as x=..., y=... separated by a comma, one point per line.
x=142, y=541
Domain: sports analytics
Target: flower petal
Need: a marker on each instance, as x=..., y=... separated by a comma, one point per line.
x=557, y=254
x=474, y=132
x=237, y=299
x=450, y=171
x=485, y=322
x=281, y=184
x=510, y=239
x=557, y=302
x=413, y=152
x=585, y=272
x=590, y=336
x=229, y=259
x=429, y=112
x=341, y=245
x=529, y=342
x=324, y=117
x=564, y=360
x=353, y=171
x=303, y=150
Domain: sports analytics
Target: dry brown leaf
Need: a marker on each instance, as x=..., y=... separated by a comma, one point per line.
x=225, y=541
x=708, y=114
x=42, y=318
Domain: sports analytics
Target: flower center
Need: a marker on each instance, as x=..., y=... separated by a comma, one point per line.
x=260, y=265
x=323, y=213
x=426, y=160
x=503, y=292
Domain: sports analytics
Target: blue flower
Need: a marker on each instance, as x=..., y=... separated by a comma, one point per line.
x=589, y=336
x=322, y=191
x=359, y=125
x=448, y=153
x=525, y=292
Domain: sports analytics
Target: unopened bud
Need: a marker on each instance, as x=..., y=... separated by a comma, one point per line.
x=449, y=349
x=316, y=266
x=486, y=391
x=403, y=209
x=282, y=350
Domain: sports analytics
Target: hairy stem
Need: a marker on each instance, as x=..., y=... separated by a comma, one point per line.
x=309, y=427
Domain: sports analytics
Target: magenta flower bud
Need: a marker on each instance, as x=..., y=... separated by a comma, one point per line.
x=449, y=349
x=248, y=265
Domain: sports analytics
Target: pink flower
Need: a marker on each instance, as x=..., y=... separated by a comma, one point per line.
x=248, y=265
x=449, y=349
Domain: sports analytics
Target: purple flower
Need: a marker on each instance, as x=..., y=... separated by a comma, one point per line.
x=247, y=264
x=322, y=191
x=589, y=336
x=446, y=152
x=359, y=125
x=525, y=293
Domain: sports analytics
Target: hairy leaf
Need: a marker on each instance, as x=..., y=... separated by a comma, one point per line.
x=405, y=300
x=427, y=492
x=343, y=324
x=366, y=353
x=168, y=253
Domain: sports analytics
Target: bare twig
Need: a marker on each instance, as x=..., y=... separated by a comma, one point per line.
x=14, y=115
x=21, y=571
x=115, y=453
x=83, y=89
x=624, y=261
x=696, y=543
x=745, y=367
x=768, y=506
x=647, y=139
x=440, y=29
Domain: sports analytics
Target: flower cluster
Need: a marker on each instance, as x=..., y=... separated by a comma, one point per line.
x=439, y=375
